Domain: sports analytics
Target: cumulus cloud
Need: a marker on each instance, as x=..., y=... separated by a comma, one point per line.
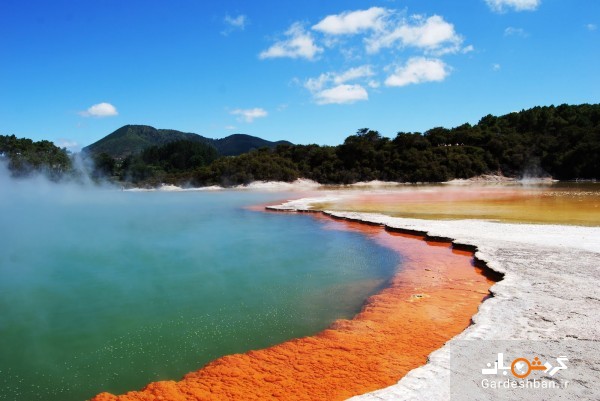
x=100, y=110
x=66, y=143
x=299, y=44
x=500, y=6
x=512, y=31
x=433, y=35
x=496, y=67
x=591, y=27
x=353, y=73
x=467, y=49
x=352, y=22
x=316, y=84
x=385, y=28
x=234, y=23
x=373, y=34
x=419, y=70
x=342, y=94
x=249, y=115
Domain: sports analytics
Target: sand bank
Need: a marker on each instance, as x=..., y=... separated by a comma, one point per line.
x=430, y=300
x=301, y=184
x=549, y=296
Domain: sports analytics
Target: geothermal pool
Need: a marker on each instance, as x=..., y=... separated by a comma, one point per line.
x=540, y=203
x=104, y=290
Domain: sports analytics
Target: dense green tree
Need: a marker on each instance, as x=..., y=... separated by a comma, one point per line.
x=180, y=156
x=25, y=157
x=104, y=165
x=562, y=141
x=263, y=164
x=173, y=162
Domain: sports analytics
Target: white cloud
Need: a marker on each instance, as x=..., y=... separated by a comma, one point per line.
x=234, y=23
x=230, y=127
x=467, y=49
x=591, y=27
x=316, y=84
x=300, y=44
x=512, y=31
x=434, y=35
x=351, y=54
x=500, y=6
x=418, y=70
x=342, y=94
x=383, y=33
x=66, y=143
x=295, y=81
x=496, y=67
x=352, y=22
x=100, y=110
x=237, y=22
x=249, y=115
x=353, y=73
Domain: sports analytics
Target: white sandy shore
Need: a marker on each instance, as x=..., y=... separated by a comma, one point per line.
x=300, y=184
x=549, y=299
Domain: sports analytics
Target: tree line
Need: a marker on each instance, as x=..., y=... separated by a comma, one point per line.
x=562, y=142
x=24, y=157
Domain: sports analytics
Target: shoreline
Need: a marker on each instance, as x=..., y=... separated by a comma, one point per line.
x=304, y=184
x=548, y=295
x=432, y=297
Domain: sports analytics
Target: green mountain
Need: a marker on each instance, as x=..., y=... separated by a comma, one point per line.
x=133, y=139
x=237, y=144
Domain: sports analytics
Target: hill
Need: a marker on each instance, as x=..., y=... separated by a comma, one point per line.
x=237, y=144
x=562, y=142
x=133, y=139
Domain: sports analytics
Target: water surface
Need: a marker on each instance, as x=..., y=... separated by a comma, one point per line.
x=109, y=290
x=557, y=203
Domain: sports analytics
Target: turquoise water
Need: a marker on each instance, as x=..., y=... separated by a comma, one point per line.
x=104, y=290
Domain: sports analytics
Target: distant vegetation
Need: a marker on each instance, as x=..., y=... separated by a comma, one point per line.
x=133, y=139
x=175, y=161
x=562, y=142
x=25, y=157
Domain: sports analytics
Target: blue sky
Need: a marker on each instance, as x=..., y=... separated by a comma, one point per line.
x=309, y=72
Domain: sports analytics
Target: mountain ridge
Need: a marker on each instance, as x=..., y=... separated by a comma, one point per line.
x=132, y=139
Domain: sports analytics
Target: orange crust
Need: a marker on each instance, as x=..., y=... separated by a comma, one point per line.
x=431, y=299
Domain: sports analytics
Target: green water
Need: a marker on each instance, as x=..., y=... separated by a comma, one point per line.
x=104, y=290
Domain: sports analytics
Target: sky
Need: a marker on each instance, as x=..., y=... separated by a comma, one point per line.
x=308, y=72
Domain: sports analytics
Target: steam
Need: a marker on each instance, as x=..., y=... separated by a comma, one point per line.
x=42, y=182
x=534, y=172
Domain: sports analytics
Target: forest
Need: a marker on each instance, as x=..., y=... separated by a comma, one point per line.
x=558, y=141
x=24, y=157
x=562, y=142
